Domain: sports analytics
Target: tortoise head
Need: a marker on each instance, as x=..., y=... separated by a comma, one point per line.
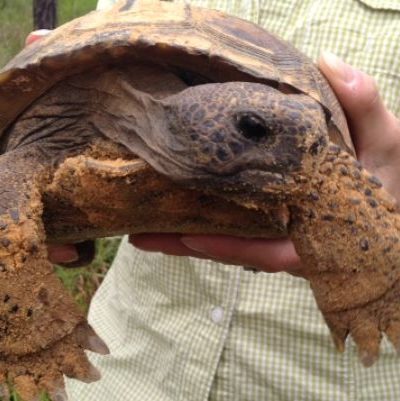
x=244, y=134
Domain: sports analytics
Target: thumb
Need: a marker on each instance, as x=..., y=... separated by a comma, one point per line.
x=373, y=127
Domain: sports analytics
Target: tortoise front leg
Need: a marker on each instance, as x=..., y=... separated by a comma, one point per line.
x=346, y=231
x=42, y=333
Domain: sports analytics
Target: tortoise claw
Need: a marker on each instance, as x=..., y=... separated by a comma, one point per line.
x=366, y=334
x=76, y=365
x=89, y=340
x=43, y=371
x=59, y=395
x=363, y=329
x=339, y=332
x=96, y=344
x=91, y=375
x=367, y=324
x=339, y=339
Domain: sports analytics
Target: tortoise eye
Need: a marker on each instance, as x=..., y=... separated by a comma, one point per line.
x=252, y=127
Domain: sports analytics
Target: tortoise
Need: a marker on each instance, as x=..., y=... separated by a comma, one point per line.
x=159, y=116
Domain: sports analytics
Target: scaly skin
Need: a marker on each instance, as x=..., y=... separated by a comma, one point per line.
x=42, y=332
x=346, y=232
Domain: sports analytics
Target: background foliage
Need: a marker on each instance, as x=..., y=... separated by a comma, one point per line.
x=16, y=21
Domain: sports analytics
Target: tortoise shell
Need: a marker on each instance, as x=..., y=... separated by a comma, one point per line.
x=201, y=45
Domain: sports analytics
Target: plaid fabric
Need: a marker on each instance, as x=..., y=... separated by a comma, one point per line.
x=182, y=329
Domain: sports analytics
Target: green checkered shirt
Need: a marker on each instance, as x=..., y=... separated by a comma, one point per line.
x=182, y=329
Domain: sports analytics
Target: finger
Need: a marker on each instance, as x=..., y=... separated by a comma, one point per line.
x=86, y=251
x=265, y=255
x=88, y=339
x=358, y=94
x=375, y=130
x=170, y=244
x=35, y=35
x=62, y=253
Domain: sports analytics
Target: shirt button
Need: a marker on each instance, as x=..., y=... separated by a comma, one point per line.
x=217, y=314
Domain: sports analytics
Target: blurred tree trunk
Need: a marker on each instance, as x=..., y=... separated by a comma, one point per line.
x=45, y=14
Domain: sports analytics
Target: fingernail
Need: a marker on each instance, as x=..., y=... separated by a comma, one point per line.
x=59, y=395
x=341, y=70
x=92, y=376
x=193, y=244
x=41, y=32
x=68, y=254
x=36, y=35
x=71, y=256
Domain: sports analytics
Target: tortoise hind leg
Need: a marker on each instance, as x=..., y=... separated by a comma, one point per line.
x=42, y=332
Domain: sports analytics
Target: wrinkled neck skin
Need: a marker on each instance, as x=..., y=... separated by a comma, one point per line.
x=112, y=104
x=345, y=226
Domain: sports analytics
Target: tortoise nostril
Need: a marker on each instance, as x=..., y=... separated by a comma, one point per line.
x=253, y=127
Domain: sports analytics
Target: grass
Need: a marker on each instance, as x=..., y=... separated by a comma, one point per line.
x=83, y=282
x=16, y=21
x=15, y=25
x=15, y=397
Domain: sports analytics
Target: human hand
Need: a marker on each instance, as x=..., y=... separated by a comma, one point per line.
x=376, y=135
x=374, y=129
x=36, y=35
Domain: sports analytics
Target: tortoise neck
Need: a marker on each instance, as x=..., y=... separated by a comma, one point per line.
x=66, y=116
